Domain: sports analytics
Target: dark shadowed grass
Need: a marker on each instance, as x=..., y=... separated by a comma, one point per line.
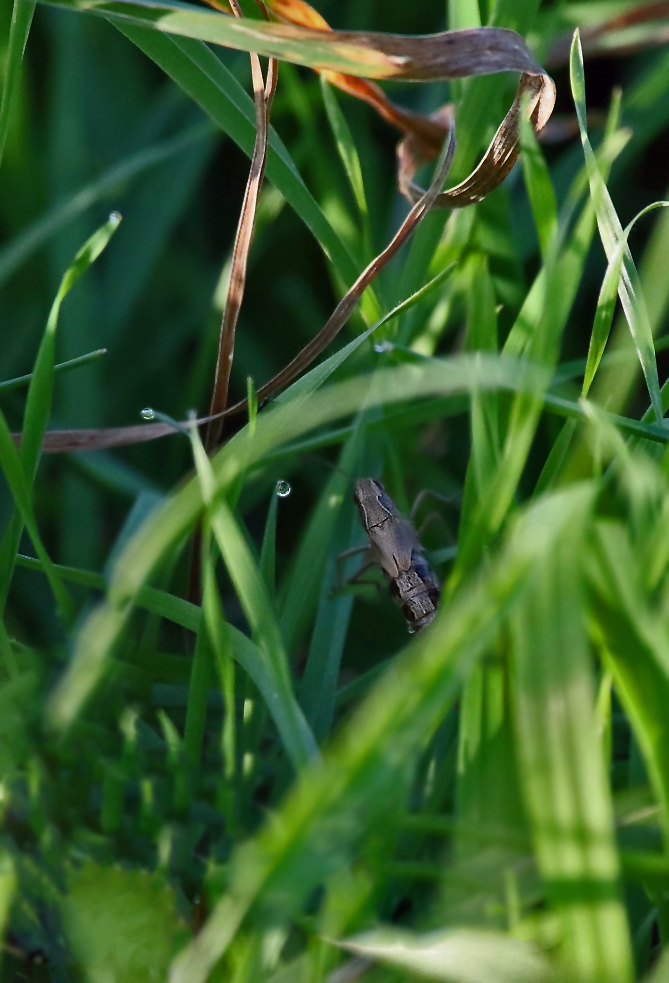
x=279, y=784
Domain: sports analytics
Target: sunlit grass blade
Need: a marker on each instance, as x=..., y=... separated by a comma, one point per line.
x=322, y=821
x=636, y=651
x=562, y=768
x=612, y=234
x=455, y=956
x=607, y=300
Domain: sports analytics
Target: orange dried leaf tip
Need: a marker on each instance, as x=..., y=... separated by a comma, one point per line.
x=298, y=12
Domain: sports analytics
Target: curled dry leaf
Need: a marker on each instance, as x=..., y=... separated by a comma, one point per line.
x=349, y=59
x=479, y=52
x=63, y=441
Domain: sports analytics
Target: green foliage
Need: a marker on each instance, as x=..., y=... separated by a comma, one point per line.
x=236, y=765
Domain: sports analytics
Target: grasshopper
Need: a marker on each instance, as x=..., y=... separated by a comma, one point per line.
x=395, y=547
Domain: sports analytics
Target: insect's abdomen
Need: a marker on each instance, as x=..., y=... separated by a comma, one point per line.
x=416, y=591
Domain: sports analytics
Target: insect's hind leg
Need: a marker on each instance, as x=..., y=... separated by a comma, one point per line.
x=355, y=579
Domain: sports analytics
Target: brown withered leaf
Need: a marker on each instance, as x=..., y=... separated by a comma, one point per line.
x=63, y=441
x=305, y=38
x=263, y=94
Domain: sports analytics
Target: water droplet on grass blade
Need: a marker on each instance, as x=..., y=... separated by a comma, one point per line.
x=115, y=217
x=147, y=413
x=382, y=346
x=283, y=489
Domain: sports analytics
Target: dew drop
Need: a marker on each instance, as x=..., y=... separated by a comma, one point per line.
x=411, y=630
x=283, y=489
x=115, y=217
x=382, y=346
x=147, y=413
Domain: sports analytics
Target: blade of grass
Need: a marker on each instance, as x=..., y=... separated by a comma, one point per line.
x=350, y=159
x=607, y=300
x=22, y=15
x=562, y=768
x=39, y=399
x=73, y=363
x=611, y=233
x=15, y=476
x=193, y=67
x=321, y=822
x=252, y=594
x=284, y=421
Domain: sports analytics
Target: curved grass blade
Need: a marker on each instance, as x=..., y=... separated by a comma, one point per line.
x=325, y=817
x=38, y=409
x=252, y=592
x=612, y=235
x=606, y=301
x=282, y=423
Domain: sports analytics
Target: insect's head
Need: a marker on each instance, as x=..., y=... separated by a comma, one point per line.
x=367, y=489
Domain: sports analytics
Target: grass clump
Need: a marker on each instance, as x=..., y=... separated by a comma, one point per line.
x=216, y=763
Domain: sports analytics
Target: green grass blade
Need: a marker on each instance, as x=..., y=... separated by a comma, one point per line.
x=15, y=476
x=39, y=400
x=540, y=189
x=302, y=587
x=611, y=233
x=72, y=363
x=321, y=821
x=453, y=956
x=268, y=549
x=253, y=596
x=222, y=649
x=607, y=300
x=349, y=157
x=22, y=15
x=562, y=768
